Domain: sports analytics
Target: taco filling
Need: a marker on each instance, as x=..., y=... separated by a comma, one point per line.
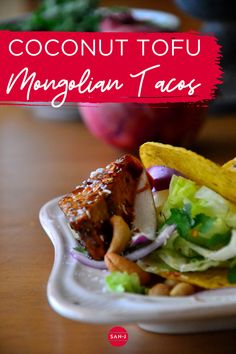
x=200, y=201
x=170, y=218
x=205, y=235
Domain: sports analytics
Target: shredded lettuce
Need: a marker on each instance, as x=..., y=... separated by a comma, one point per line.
x=210, y=203
x=204, y=238
x=201, y=259
x=203, y=200
x=206, y=231
x=184, y=264
x=153, y=264
x=230, y=218
x=123, y=282
x=181, y=191
x=223, y=254
x=165, y=260
x=213, y=204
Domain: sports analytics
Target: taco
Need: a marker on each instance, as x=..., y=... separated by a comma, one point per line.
x=200, y=201
x=173, y=215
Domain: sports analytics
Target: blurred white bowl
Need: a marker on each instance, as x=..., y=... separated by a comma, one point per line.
x=64, y=113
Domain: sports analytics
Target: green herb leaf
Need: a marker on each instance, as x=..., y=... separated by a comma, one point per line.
x=60, y=15
x=204, y=220
x=80, y=249
x=209, y=232
x=182, y=219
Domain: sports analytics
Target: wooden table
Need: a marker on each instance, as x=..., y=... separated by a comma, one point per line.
x=42, y=159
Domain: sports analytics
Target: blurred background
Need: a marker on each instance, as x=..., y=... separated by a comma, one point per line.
x=126, y=126
x=11, y=8
x=45, y=153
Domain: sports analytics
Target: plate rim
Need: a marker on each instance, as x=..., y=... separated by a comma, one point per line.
x=194, y=307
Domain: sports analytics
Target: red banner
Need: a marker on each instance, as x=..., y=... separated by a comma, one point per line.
x=61, y=67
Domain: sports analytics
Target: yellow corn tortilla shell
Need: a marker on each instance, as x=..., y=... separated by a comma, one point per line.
x=230, y=165
x=209, y=279
x=193, y=166
x=221, y=179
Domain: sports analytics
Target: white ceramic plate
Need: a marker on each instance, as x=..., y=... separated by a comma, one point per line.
x=77, y=292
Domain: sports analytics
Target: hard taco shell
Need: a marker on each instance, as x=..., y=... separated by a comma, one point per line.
x=222, y=179
x=193, y=166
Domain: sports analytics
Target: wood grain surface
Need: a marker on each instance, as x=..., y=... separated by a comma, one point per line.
x=41, y=159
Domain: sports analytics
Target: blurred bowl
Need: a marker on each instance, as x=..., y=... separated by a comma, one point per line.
x=64, y=114
x=128, y=125
x=138, y=20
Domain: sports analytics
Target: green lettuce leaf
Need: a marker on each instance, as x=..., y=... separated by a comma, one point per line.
x=176, y=262
x=203, y=230
x=210, y=203
x=223, y=254
x=202, y=200
x=213, y=204
x=123, y=282
x=181, y=191
x=230, y=218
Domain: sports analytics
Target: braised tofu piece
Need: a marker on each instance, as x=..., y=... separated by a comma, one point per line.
x=107, y=192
